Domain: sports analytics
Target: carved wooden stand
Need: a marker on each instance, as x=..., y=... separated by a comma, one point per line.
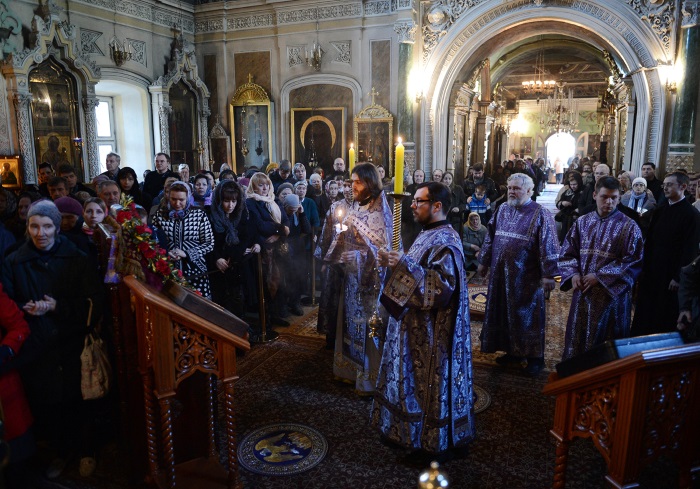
x=634, y=410
x=174, y=344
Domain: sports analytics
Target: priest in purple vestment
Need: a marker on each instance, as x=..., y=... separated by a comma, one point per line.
x=424, y=397
x=522, y=249
x=368, y=227
x=600, y=259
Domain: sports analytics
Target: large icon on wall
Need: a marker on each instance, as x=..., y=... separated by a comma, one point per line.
x=10, y=173
x=373, y=130
x=54, y=115
x=318, y=136
x=250, y=115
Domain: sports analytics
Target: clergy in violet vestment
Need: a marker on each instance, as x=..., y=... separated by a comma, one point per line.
x=522, y=249
x=366, y=229
x=424, y=397
x=600, y=259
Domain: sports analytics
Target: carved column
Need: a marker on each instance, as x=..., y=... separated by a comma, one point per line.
x=479, y=150
x=681, y=150
x=406, y=32
x=164, y=139
x=22, y=103
x=204, y=134
x=92, y=163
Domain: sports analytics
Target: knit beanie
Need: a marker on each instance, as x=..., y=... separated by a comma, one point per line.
x=45, y=208
x=69, y=205
x=639, y=180
x=291, y=200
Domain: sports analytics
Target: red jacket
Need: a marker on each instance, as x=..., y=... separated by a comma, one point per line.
x=13, y=331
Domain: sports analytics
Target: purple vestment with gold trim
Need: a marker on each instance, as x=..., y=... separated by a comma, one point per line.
x=424, y=395
x=612, y=249
x=521, y=248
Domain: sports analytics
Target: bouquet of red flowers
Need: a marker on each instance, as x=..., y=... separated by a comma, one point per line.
x=143, y=248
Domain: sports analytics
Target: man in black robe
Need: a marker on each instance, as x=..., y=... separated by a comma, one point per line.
x=672, y=242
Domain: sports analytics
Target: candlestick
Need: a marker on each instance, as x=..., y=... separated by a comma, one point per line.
x=398, y=169
x=351, y=154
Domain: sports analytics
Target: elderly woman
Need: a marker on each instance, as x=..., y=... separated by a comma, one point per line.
x=234, y=241
x=639, y=197
x=271, y=226
x=472, y=241
x=188, y=236
x=53, y=283
x=184, y=170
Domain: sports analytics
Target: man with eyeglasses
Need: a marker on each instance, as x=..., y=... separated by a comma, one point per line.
x=427, y=350
x=522, y=249
x=671, y=243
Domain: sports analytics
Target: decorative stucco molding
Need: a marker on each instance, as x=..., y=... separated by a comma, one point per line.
x=88, y=42
x=139, y=50
x=295, y=55
x=406, y=31
x=158, y=14
x=691, y=13
x=343, y=53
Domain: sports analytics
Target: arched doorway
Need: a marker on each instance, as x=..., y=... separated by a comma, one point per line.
x=560, y=145
x=470, y=36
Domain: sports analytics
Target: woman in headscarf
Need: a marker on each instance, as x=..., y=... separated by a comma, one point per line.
x=472, y=241
x=459, y=202
x=202, y=191
x=271, y=226
x=234, y=241
x=625, y=179
x=188, y=236
x=129, y=185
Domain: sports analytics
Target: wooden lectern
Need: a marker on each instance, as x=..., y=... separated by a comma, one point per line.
x=173, y=345
x=634, y=409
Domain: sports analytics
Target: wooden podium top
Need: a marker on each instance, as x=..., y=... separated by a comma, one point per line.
x=182, y=315
x=556, y=386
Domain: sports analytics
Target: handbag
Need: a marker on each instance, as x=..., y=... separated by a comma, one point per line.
x=95, y=370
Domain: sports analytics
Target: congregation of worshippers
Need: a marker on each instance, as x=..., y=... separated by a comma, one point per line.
x=625, y=245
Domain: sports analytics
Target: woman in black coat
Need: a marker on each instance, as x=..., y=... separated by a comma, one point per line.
x=459, y=203
x=271, y=227
x=235, y=241
x=51, y=280
x=568, y=203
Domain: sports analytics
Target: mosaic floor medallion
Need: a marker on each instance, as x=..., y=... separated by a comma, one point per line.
x=482, y=399
x=282, y=449
x=477, y=300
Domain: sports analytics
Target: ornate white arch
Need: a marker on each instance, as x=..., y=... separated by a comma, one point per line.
x=316, y=79
x=632, y=40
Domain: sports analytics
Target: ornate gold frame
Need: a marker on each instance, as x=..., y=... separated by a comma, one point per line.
x=250, y=95
x=374, y=116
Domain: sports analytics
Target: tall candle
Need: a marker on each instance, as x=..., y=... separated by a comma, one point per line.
x=352, y=158
x=398, y=169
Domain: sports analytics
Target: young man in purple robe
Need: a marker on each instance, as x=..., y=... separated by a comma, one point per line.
x=600, y=259
x=522, y=249
x=424, y=398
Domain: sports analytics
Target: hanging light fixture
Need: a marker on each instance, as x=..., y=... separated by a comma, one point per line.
x=559, y=113
x=314, y=57
x=121, y=51
x=538, y=86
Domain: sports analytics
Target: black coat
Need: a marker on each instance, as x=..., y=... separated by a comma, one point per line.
x=50, y=359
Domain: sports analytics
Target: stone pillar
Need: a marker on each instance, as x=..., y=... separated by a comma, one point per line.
x=22, y=102
x=406, y=32
x=681, y=150
x=91, y=165
x=204, y=134
x=479, y=149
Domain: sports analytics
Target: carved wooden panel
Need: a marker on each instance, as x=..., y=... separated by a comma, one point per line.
x=666, y=415
x=596, y=410
x=193, y=351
